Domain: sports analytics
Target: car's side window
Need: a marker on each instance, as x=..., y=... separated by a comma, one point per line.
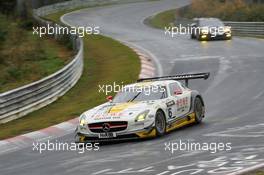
x=174, y=88
x=183, y=85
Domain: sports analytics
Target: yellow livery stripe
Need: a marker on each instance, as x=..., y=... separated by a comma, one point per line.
x=181, y=123
x=120, y=107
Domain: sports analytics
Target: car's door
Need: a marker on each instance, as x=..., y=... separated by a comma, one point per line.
x=179, y=101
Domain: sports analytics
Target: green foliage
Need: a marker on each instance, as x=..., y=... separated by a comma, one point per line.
x=2, y=60
x=235, y=10
x=26, y=23
x=66, y=41
x=3, y=34
x=7, y=6
x=15, y=73
x=24, y=57
x=3, y=29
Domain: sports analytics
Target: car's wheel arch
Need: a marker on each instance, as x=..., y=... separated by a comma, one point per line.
x=160, y=109
x=194, y=95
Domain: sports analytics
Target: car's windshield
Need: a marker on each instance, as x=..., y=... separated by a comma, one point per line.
x=145, y=94
x=211, y=23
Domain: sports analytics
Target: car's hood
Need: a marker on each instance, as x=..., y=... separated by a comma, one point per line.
x=116, y=111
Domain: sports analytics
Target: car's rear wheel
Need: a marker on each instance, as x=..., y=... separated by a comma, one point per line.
x=198, y=110
x=160, y=123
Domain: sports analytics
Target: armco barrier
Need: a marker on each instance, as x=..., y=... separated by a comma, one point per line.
x=21, y=101
x=255, y=29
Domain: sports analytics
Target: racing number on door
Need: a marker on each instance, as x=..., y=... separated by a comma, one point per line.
x=170, y=113
x=178, y=108
x=171, y=109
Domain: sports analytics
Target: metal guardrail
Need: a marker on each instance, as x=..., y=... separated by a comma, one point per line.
x=253, y=29
x=21, y=101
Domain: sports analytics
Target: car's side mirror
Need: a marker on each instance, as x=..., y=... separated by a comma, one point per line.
x=110, y=98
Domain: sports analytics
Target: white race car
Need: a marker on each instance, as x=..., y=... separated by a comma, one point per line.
x=151, y=107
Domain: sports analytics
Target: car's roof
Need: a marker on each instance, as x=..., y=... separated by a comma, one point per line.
x=207, y=19
x=210, y=22
x=151, y=83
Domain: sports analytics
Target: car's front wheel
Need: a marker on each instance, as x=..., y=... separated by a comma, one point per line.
x=198, y=110
x=77, y=138
x=193, y=36
x=160, y=123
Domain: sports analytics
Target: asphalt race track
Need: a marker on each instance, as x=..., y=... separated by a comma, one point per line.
x=234, y=96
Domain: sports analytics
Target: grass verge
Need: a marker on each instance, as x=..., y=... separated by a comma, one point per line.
x=235, y=10
x=162, y=20
x=105, y=61
x=257, y=172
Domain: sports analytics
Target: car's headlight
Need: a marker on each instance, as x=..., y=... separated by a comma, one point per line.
x=82, y=120
x=227, y=29
x=142, y=116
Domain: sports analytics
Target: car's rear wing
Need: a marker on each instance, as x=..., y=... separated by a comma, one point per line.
x=185, y=77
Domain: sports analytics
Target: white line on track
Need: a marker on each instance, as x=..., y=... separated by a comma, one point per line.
x=246, y=170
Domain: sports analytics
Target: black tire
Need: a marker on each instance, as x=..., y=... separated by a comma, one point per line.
x=160, y=123
x=80, y=142
x=198, y=110
x=77, y=138
x=199, y=38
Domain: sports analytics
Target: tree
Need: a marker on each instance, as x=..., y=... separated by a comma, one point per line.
x=7, y=6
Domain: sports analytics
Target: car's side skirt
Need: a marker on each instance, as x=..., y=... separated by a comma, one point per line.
x=186, y=120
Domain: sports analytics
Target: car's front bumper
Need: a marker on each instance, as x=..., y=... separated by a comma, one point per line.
x=85, y=135
x=215, y=37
